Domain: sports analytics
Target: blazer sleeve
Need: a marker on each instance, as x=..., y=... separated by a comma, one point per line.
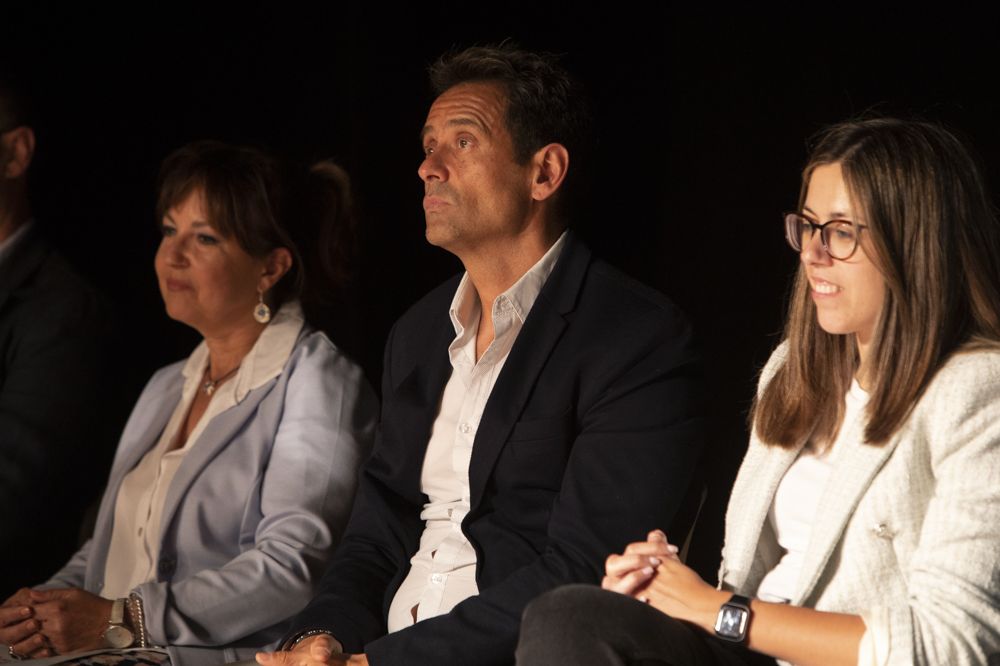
x=306, y=493
x=951, y=614
x=630, y=463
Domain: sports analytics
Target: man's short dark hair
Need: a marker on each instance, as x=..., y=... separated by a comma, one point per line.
x=544, y=104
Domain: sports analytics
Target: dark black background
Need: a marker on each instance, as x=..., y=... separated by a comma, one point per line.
x=703, y=121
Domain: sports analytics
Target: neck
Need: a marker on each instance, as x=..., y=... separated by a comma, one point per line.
x=495, y=269
x=863, y=374
x=226, y=350
x=14, y=211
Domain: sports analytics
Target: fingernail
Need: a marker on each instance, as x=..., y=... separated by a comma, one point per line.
x=261, y=657
x=648, y=571
x=655, y=561
x=659, y=534
x=644, y=600
x=25, y=612
x=672, y=548
x=323, y=652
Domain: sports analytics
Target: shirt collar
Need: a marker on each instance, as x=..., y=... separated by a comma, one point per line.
x=7, y=247
x=520, y=296
x=266, y=358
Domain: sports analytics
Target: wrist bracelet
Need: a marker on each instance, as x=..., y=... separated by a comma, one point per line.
x=307, y=634
x=138, y=616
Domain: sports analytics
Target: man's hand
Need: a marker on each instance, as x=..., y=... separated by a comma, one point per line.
x=631, y=572
x=71, y=619
x=318, y=650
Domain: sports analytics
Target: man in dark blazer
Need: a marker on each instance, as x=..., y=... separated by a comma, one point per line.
x=53, y=338
x=579, y=436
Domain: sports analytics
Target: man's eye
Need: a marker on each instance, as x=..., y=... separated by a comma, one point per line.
x=464, y=143
x=428, y=150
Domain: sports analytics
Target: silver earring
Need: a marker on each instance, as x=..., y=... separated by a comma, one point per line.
x=261, y=313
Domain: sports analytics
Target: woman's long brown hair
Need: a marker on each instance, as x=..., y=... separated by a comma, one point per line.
x=934, y=237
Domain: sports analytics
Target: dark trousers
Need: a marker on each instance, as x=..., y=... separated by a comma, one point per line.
x=584, y=625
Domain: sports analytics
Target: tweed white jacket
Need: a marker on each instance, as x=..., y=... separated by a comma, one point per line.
x=906, y=535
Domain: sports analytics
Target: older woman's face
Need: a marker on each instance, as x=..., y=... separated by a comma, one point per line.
x=207, y=281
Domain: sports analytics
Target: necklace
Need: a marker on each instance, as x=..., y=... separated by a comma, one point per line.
x=211, y=384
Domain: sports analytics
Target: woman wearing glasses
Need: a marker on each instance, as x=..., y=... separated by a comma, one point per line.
x=864, y=524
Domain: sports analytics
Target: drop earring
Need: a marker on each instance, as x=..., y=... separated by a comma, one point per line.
x=261, y=313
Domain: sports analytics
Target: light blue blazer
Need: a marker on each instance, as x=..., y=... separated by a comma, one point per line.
x=255, y=509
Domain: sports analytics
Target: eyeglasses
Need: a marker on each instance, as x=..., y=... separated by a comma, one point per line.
x=839, y=237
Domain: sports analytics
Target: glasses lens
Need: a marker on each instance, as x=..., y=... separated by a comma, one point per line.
x=841, y=238
x=796, y=231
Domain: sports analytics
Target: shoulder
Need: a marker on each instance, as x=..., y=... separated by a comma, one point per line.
x=315, y=358
x=55, y=298
x=774, y=363
x=967, y=383
x=609, y=289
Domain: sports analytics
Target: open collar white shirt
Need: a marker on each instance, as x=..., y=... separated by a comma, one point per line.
x=135, y=539
x=443, y=571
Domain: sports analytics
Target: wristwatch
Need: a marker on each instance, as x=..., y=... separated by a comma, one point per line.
x=117, y=635
x=733, y=620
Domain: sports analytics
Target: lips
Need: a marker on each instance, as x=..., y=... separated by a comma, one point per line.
x=176, y=285
x=434, y=203
x=824, y=288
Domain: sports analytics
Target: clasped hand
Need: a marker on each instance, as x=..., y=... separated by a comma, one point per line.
x=652, y=572
x=44, y=623
x=318, y=650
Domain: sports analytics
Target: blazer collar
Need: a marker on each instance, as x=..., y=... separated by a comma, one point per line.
x=855, y=467
x=753, y=493
x=541, y=331
x=22, y=263
x=217, y=435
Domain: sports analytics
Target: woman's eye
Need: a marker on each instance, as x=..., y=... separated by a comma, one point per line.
x=844, y=233
x=167, y=231
x=205, y=239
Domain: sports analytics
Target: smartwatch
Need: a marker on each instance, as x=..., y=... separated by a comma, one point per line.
x=733, y=620
x=117, y=635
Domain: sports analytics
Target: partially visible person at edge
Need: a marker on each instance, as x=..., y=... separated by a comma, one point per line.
x=56, y=345
x=236, y=472
x=538, y=410
x=864, y=524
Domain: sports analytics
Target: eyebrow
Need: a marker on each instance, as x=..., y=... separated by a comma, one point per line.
x=196, y=223
x=461, y=121
x=835, y=215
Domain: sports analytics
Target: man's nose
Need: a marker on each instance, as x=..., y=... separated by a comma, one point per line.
x=432, y=168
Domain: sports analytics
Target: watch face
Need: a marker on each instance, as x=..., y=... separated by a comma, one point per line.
x=118, y=636
x=732, y=622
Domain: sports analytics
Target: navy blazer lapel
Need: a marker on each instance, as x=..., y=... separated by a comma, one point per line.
x=27, y=255
x=539, y=335
x=218, y=433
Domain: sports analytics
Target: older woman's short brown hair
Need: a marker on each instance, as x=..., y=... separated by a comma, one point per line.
x=264, y=205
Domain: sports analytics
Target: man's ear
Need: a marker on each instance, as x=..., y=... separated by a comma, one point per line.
x=550, y=163
x=277, y=263
x=17, y=151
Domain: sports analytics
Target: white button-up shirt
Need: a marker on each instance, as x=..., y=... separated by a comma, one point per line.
x=135, y=539
x=443, y=571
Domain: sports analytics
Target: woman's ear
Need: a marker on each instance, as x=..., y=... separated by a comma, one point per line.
x=278, y=262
